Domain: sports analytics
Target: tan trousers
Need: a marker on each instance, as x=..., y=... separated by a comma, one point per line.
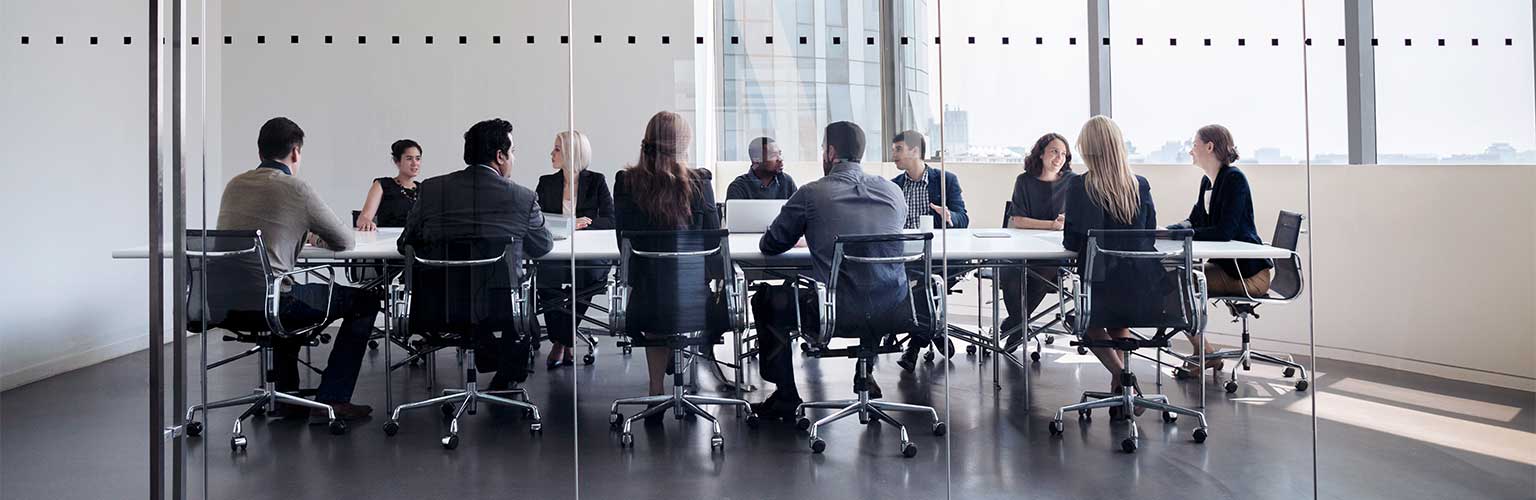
x=1219, y=283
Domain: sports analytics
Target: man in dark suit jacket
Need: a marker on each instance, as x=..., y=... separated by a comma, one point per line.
x=477, y=213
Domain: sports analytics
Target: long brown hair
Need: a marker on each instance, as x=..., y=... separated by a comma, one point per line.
x=662, y=182
x=1111, y=184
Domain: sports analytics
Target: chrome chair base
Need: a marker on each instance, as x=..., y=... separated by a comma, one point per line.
x=680, y=403
x=468, y=400
x=1127, y=401
x=869, y=411
x=260, y=402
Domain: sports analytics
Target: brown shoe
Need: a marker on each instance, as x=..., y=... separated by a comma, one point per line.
x=344, y=411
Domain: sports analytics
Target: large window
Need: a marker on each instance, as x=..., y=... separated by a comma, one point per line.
x=1180, y=64
x=792, y=66
x=1012, y=72
x=1467, y=101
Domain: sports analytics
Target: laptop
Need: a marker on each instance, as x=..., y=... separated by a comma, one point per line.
x=559, y=225
x=751, y=216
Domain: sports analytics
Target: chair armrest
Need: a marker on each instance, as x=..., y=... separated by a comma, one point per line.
x=618, y=304
x=275, y=292
x=736, y=298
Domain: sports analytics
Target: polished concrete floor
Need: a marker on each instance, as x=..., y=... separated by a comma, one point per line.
x=1383, y=434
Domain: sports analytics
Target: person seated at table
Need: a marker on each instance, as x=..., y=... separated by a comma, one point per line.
x=765, y=180
x=661, y=193
x=590, y=203
x=920, y=183
x=479, y=208
x=1109, y=196
x=1223, y=212
x=846, y=201
x=390, y=198
x=925, y=197
x=287, y=211
x=1039, y=199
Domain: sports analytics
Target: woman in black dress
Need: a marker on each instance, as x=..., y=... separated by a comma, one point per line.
x=1039, y=202
x=592, y=206
x=390, y=198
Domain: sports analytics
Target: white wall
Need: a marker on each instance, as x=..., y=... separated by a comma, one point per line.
x=76, y=147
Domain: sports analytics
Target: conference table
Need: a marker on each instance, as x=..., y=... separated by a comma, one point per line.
x=954, y=251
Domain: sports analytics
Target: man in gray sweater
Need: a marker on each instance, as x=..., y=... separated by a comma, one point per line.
x=287, y=211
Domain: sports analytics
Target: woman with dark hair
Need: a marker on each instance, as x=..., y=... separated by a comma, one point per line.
x=390, y=198
x=572, y=191
x=659, y=192
x=1223, y=212
x=1039, y=201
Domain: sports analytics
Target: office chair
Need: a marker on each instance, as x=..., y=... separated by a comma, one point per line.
x=1127, y=282
x=907, y=316
x=233, y=287
x=1284, y=288
x=678, y=290
x=456, y=302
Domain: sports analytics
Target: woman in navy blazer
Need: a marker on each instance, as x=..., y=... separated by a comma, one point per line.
x=1227, y=216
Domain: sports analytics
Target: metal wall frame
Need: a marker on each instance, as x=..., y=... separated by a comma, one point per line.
x=1360, y=78
x=1100, y=96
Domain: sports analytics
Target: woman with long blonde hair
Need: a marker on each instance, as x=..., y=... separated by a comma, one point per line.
x=1108, y=196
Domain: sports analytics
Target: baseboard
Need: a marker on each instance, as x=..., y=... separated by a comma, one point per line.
x=72, y=362
x=1394, y=362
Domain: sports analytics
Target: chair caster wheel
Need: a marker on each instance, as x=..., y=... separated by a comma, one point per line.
x=928, y=357
x=527, y=413
x=1288, y=372
x=939, y=429
x=1085, y=416
x=1128, y=445
x=717, y=441
x=1200, y=435
x=908, y=450
x=1301, y=385
x=803, y=424
x=588, y=359
x=1050, y=340
x=1082, y=351
x=1169, y=416
x=536, y=428
x=1231, y=387
x=1034, y=356
x=818, y=445
x=614, y=419
x=194, y=428
x=373, y=345
x=448, y=410
x=805, y=348
x=1057, y=428
x=627, y=350
x=337, y=427
x=752, y=421
x=325, y=338
x=970, y=349
x=391, y=428
x=451, y=442
x=626, y=440
x=237, y=443
x=259, y=411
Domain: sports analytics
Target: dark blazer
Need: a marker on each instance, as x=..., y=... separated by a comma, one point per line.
x=473, y=213
x=628, y=216
x=1125, y=292
x=1084, y=214
x=593, y=200
x=956, y=206
x=1229, y=218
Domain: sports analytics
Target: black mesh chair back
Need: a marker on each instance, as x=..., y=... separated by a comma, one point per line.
x=228, y=281
x=1287, y=282
x=675, y=283
x=868, y=294
x=1132, y=281
x=467, y=286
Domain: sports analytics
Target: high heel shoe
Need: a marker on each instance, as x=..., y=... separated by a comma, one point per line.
x=1188, y=371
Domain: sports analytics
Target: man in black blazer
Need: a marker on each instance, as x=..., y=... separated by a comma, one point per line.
x=477, y=213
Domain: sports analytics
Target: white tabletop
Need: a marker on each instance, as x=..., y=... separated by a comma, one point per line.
x=953, y=244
